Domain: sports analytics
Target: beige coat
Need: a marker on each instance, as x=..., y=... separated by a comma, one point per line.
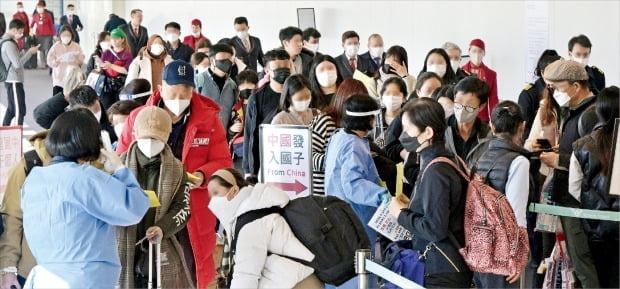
x=140, y=67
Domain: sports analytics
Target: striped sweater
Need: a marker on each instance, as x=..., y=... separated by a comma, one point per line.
x=323, y=128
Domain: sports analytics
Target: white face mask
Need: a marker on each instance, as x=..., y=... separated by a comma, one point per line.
x=376, y=51
x=327, y=78
x=40, y=10
x=351, y=50
x=177, y=106
x=150, y=147
x=98, y=115
x=392, y=102
x=243, y=34
x=476, y=58
x=156, y=49
x=456, y=64
x=201, y=69
x=65, y=40
x=314, y=47
x=582, y=61
x=172, y=37
x=561, y=98
x=301, y=106
x=104, y=45
x=463, y=116
x=439, y=69
x=118, y=129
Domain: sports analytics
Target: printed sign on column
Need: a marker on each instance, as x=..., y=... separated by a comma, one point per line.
x=10, y=153
x=286, y=158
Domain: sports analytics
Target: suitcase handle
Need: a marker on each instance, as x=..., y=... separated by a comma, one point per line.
x=158, y=265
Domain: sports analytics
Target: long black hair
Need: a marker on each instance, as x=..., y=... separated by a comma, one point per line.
x=318, y=97
x=607, y=111
x=450, y=76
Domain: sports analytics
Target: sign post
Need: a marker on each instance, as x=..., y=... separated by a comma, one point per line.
x=10, y=153
x=286, y=158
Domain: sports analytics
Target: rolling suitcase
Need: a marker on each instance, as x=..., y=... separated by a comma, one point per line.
x=158, y=265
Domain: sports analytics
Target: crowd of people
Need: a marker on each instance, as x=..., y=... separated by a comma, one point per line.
x=155, y=138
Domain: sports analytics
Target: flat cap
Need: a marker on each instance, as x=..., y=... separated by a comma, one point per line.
x=565, y=70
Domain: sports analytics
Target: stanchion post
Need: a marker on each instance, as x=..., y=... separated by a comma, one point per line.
x=360, y=267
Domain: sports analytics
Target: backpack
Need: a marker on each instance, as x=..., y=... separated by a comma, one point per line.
x=32, y=160
x=327, y=226
x=494, y=242
x=4, y=70
x=401, y=259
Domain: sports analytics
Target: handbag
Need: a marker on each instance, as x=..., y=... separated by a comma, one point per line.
x=96, y=80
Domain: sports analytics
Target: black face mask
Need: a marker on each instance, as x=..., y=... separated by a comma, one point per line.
x=281, y=74
x=245, y=94
x=410, y=143
x=224, y=65
x=387, y=69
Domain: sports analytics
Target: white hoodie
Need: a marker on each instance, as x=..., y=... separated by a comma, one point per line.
x=262, y=243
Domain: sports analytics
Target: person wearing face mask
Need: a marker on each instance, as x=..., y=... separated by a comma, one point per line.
x=506, y=167
x=103, y=44
x=14, y=83
x=354, y=177
x=114, y=63
x=324, y=79
x=392, y=99
x=137, y=35
x=291, y=40
x=177, y=49
x=311, y=38
x=118, y=114
x=63, y=54
x=454, y=52
x=150, y=159
x=247, y=81
x=375, y=53
x=259, y=246
x=237, y=63
x=579, y=49
x=395, y=64
x=198, y=139
x=349, y=61
x=466, y=130
x=150, y=62
x=200, y=62
x=216, y=83
x=43, y=26
x=435, y=214
x=23, y=16
x=578, y=117
x=438, y=61
x=475, y=67
x=262, y=107
x=248, y=47
x=445, y=96
x=73, y=21
x=191, y=40
x=294, y=108
x=99, y=201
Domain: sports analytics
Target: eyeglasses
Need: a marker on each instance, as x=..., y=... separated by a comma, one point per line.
x=467, y=108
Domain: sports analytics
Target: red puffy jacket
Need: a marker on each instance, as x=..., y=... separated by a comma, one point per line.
x=205, y=149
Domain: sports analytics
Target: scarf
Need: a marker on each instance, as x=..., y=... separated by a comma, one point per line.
x=157, y=61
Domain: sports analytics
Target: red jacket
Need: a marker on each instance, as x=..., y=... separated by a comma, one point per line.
x=24, y=18
x=205, y=150
x=490, y=77
x=44, y=23
x=191, y=40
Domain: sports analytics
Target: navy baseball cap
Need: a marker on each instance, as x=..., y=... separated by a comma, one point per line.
x=179, y=72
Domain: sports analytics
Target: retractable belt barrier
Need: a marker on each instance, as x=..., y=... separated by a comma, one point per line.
x=364, y=266
x=575, y=212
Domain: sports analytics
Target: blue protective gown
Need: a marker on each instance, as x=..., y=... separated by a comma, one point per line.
x=69, y=214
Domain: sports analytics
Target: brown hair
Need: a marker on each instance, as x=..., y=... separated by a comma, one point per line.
x=238, y=178
x=549, y=110
x=347, y=88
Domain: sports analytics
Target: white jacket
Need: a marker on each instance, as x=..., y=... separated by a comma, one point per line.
x=140, y=67
x=262, y=243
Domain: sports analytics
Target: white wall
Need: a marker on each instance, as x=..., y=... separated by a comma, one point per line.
x=416, y=25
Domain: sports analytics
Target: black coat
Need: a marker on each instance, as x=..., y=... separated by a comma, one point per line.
x=135, y=43
x=436, y=212
x=183, y=52
x=363, y=65
x=262, y=107
x=529, y=101
x=114, y=23
x=597, y=79
x=64, y=20
x=373, y=67
x=253, y=56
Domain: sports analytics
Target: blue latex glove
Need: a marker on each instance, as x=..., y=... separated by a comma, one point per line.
x=385, y=198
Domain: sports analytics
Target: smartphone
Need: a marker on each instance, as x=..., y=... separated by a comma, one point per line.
x=105, y=139
x=544, y=144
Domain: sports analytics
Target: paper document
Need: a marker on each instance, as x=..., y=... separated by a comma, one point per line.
x=388, y=226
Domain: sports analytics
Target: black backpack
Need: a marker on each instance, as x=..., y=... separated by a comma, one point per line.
x=4, y=70
x=327, y=226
